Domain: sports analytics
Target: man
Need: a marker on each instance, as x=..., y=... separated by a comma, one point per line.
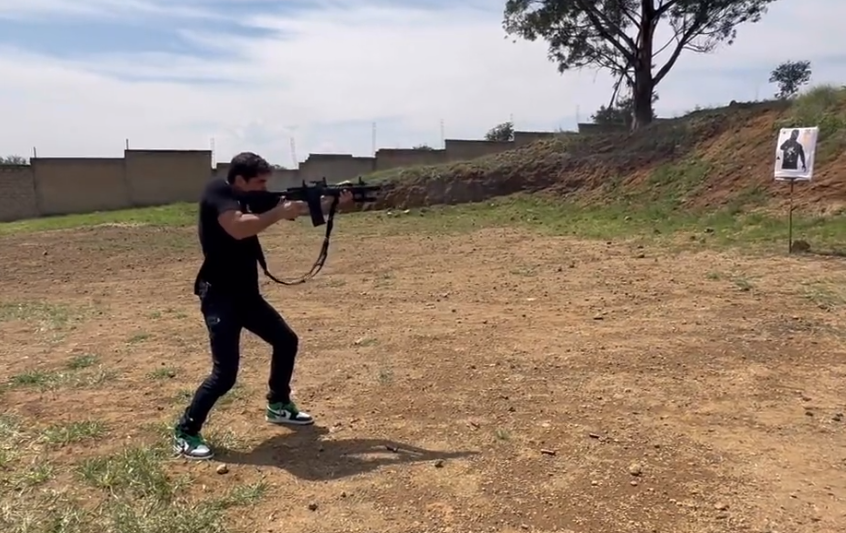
x=228, y=288
x=792, y=152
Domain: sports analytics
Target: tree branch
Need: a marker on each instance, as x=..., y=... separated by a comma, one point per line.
x=663, y=8
x=682, y=43
x=599, y=21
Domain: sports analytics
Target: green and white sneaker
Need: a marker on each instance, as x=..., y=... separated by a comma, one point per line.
x=191, y=446
x=287, y=413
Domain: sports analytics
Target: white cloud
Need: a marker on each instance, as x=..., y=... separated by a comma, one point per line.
x=345, y=64
x=35, y=9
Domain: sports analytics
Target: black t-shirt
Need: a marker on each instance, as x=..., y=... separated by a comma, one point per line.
x=230, y=266
x=792, y=150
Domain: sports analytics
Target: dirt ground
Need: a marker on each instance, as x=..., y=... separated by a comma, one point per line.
x=498, y=381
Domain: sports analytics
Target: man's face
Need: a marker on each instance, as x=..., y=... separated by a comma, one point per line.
x=259, y=183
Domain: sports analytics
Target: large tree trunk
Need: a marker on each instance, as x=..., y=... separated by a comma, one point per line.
x=642, y=99
x=644, y=84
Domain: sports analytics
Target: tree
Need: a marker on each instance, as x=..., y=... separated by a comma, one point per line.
x=13, y=160
x=619, y=35
x=790, y=75
x=501, y=132
x=422, y=147
x=619, y=112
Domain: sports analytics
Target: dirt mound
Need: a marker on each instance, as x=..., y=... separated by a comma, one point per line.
x=707, y=159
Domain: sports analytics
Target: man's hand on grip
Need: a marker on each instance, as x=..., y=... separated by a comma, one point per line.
x=287, y=210
x=346, y=198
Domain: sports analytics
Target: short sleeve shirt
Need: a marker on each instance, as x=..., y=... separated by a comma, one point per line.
x=230, y=265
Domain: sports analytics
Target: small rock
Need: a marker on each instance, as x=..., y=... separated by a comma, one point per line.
x=633, y=483
x=800, y=246
x=312, y=506
x=721, y=506
x=548, y=452
x=439, y=463
x=222, y=469
x=635, y=469
x=837, y=417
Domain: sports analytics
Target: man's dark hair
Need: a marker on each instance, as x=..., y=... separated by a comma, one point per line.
x=248, y=165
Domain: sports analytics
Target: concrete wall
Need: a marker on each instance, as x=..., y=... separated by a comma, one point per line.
x=17, y=193
x=388, y=158
x=461, y=150
x=66, y=185
x=525, y=138
x=158, y=177
x=282, y=179
x=54, y=186
x=335, y=167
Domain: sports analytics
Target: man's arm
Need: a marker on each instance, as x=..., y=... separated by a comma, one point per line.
x=325, y=205
x=242, y=225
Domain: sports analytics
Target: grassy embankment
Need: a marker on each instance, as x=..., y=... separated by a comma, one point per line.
x=655, y=207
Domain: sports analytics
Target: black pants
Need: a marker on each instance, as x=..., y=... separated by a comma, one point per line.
x=225, y=317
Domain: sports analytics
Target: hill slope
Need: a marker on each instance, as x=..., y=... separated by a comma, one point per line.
x=706, y=160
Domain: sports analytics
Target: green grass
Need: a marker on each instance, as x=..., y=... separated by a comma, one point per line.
x=52, y=315
x=130, y=489
x=181, y=214
x=80, y=362
x=825, y=294
x=50, y=380
x=73, y=432
x=731, y=226
x=633, y=214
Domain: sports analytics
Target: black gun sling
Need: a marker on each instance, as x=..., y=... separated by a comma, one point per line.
x=321, y=258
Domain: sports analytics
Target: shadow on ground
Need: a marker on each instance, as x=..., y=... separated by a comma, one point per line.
x=304, y=454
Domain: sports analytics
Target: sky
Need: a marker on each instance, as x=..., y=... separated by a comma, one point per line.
x=80, y=77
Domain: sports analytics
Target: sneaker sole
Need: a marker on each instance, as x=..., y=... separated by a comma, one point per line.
x=288, y=421
x=185, y=455
x=194, y=457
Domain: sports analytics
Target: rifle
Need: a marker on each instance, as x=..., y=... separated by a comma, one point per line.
x=263, y=201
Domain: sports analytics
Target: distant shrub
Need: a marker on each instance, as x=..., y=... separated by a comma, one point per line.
x=823, y=106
